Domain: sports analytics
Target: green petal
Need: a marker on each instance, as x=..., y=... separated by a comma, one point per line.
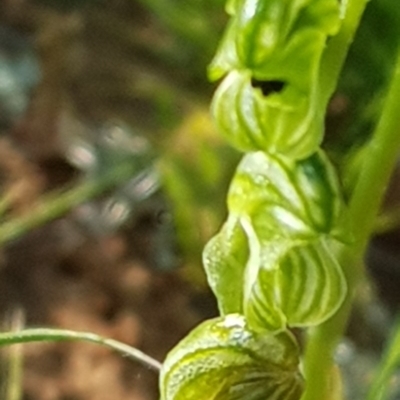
x=311, y=283
x=266, y=28
x=303, y=281
x=222, y=359
x=224, y=259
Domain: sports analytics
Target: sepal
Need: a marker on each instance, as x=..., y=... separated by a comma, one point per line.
x=260, y=31
x=284, y=198
x=224, y=359
x=224, y=258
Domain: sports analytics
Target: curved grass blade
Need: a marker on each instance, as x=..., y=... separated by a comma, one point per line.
x=62, y=335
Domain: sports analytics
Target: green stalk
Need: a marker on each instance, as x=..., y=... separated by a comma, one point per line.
x=337, y=49
x=379, y=162
x=58, y=335
x=15, y=360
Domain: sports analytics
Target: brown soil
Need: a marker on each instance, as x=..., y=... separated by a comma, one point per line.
x=62, y=279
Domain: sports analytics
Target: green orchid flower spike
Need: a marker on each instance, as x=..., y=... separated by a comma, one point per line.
x=272, y=266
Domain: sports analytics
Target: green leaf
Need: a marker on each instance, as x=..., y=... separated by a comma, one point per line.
x=303, y=282
x=224, y=258
x=222, y=359
x=286, y=198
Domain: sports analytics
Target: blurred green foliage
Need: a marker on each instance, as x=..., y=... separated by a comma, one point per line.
x=196, y=168
x=367, y=70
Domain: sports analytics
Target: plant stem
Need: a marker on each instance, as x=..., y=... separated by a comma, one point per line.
x=57, y=335
x=335, y=54
x=379, y=162
x=15, y=360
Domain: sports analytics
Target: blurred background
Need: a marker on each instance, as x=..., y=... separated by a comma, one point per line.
x=113, y=178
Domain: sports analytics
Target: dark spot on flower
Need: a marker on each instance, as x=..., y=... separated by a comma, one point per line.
x=268, y=87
